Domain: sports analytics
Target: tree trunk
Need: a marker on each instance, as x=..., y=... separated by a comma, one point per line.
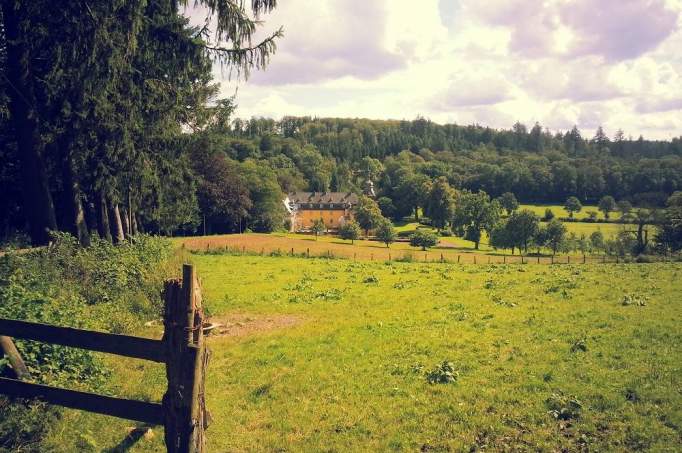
x=115, y=223
x=139, y=226
x=91, y=214
x=102, y=216
x=38, y=206
x=76, y=215
x=125, y=221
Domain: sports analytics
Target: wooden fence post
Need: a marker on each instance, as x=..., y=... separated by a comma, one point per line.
x=18, y=365
x=184, y=404
x=307, y=252
x=568, y=259
x=292, y=251
x=474, y=259
x=504, y=259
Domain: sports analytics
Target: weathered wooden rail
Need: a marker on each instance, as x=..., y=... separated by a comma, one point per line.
x=182, y=411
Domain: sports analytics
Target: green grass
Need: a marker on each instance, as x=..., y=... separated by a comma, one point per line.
x=560, y=212
x=352, y=374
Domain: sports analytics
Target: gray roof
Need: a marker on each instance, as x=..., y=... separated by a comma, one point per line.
x=324, y=197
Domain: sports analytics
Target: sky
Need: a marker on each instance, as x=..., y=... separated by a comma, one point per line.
x=615, y=63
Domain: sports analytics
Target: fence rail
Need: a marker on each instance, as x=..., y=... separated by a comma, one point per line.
x=123, y=345
x=182, y=411
x=140, y=411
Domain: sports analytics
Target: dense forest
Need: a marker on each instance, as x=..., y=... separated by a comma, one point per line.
x=109, y=124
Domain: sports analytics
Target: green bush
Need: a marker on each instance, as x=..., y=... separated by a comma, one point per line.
x=101, y=287
x=423, y=239
x=444, y=373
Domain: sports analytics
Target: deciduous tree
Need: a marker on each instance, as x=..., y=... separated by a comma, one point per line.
x=572, y=205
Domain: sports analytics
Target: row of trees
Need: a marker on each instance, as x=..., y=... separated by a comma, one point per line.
x=565, y=165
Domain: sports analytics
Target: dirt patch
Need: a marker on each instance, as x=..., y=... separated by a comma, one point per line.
x=244, y=324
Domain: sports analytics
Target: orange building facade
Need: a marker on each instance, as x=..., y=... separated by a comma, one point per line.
x=334, y=208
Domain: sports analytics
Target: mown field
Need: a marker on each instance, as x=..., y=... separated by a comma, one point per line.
x=336, y=355
x=560, y=212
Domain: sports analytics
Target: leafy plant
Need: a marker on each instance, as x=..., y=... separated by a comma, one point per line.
x=579, y=345
x=444, y=373
x=634, y=299
x=564, y=407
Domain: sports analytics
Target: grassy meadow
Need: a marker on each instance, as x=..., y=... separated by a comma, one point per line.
x=342, y=355
x=560, y=212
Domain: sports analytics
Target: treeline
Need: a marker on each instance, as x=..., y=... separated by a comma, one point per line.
x=304, y=154
x=536, y=165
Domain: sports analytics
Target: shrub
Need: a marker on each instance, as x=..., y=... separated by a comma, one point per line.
x=444, y=373
x=101, y=287
x=423, y=239
x=634, y=299
x=549, y=215
x=564, y=407
x=350, y=231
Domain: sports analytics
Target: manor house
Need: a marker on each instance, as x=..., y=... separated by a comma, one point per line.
x=334, y=208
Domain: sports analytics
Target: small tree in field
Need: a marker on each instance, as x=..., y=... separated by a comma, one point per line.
x=522, y=226
x=583, y=244
x=625, y=208
x=549, y=215
x=597, y=241
x=500, y=238
x=318, y=227
x=572, y=205
x=540, y=238
x=385, y=232
x=350, y=231
x=555, y=235
x=508, y=202
x=423, y=239
x=607, y=205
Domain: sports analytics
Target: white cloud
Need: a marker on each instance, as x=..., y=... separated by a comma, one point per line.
x=559, y=62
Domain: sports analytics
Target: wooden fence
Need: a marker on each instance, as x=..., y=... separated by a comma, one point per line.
x=182, y=411
x=435, y=255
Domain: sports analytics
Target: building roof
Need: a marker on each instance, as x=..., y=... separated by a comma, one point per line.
x=323, y=197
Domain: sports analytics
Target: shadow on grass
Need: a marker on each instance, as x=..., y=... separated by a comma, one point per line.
x=130, y=440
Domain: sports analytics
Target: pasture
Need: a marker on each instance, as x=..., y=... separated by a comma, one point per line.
x=341, y=355
x=560, y=212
